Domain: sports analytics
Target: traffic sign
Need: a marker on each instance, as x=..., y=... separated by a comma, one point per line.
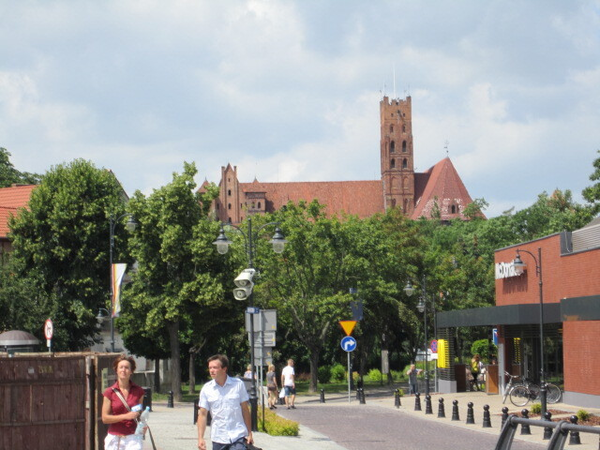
x=434, y=346
x=348, y=344
x=48, y=329
x=348, y=326
x=253, y=310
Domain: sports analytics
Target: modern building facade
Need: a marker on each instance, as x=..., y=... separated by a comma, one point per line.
x=561, y=283
x=437, y=193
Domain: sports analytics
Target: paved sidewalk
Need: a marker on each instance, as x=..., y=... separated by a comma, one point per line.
x=173, y=428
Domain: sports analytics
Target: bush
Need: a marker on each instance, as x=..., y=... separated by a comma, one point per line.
x=582, y=415
x=324, y=374
x=484, y=348
x=275, y=425
x=398, y=375
x=338, y=373
x=374, y=375
x=536, y=408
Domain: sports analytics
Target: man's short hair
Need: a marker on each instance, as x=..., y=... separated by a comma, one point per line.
x=222, y=358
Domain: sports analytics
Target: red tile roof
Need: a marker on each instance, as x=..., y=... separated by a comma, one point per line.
x=11, y=199
x=361, y=198
x=441, y=184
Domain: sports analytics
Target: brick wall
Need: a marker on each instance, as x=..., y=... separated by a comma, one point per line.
x=580, y=354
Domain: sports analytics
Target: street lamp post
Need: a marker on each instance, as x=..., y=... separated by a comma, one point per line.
x=520, y=268
x=129, y=226
x=244, y=290
x=422, y=307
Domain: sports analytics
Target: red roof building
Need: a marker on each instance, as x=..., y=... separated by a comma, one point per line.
x=438, y=192
x=11, y=200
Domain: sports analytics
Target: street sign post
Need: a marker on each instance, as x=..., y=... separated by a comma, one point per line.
x=48, y=332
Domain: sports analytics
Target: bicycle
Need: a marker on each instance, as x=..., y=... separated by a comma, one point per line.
x=522, y=392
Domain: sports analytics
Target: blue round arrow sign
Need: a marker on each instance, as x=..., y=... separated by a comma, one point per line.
x=348, y=344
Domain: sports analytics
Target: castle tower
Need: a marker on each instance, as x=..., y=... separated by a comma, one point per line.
x=228, y=204
x=397, y=159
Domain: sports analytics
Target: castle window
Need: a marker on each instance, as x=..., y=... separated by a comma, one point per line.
x=218, y=206
x=404, y=163
x=404, y=128
x=229, y=192
x=258, y=205
x=405, y=206
x=229, y=206
x=393, y=164
x=392, y=147
x=453, y=209
x=391, y=129
x=403, y=146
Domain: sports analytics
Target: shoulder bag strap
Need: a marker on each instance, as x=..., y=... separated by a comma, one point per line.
x=118, y=393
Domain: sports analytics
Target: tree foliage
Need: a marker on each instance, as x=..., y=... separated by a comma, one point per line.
x=61, y=244
x=176, y=296
x=9, y=175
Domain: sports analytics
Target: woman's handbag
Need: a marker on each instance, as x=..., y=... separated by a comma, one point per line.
x=118, y=393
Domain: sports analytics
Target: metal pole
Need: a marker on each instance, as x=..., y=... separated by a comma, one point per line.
x=253, y=395
x=543, y=391
x=349, y=377
x=112, y=294
x=426, y=360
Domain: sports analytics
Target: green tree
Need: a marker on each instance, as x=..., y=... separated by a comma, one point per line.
x=592, y=193
x=9, y=175
x=178, y=287
x=61, y=245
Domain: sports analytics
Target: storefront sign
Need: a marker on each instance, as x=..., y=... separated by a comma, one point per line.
x=506, y=270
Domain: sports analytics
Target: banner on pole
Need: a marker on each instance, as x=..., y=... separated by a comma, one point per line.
x=117, y=273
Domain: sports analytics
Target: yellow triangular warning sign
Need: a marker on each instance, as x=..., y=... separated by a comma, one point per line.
x=348, y=326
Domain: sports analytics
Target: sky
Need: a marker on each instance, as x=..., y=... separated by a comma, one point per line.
x=289, y=90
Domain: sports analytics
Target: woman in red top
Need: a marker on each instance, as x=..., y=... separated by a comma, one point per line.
x=122, y=422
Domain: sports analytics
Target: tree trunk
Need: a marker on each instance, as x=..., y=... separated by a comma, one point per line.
x=192, y=382
x=314, y=370
x=157, y=375
x=175, y=360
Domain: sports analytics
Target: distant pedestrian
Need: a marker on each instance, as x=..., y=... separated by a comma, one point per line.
x=227, y=401
x=272, y=387
x=476, y=368
x=248, y=372
x=413, y=383
x=288, y=381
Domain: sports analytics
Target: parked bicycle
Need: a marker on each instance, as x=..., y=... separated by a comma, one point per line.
x=522, y=392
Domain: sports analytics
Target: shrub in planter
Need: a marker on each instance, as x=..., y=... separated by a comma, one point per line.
x=275, y=425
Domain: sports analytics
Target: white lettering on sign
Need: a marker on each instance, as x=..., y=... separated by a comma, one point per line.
x=506, y=270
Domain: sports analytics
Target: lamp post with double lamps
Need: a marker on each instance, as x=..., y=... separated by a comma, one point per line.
x=129, y=226
x=519, y=266
x=244, y=287
x=422, y=307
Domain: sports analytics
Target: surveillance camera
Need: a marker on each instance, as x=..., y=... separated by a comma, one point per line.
x=244, y=279
x=242, y=294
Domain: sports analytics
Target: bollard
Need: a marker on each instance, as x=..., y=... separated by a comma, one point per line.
x=470, y=414
x=574, y=436
x=487, y=422
x=548, y=430
x=397, y=403
x=428, y=409
x=525, y=428
x=417, y=402
x=322, y=395
x=504, y=415
x=362, y=396
x=170, y=400
x=455, y=410
x=441, y=411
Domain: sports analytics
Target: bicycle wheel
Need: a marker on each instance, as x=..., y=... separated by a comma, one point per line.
x=534, y=389
x=553, y=394
x=520, y=396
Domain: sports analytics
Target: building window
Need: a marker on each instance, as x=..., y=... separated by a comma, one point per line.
x=229, y=192
x=453, y=208
x=404, y=128
x=258, y=205
x=393, y=164
x=403, y=146
x=392, y=147
x=229, y=206
x=404, y=163
x=391, y=129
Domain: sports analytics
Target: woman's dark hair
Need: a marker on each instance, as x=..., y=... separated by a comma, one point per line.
x=124, y=358
x=222, y=358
